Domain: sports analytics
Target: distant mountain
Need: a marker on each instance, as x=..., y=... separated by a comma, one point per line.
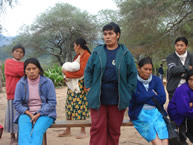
x=5, y=40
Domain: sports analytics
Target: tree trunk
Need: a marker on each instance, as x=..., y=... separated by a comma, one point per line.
x=0, y=79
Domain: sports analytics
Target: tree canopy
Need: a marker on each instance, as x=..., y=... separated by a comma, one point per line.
x=55, y=31
x=151, y=25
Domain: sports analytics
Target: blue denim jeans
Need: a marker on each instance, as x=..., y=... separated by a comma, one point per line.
x=30, y=134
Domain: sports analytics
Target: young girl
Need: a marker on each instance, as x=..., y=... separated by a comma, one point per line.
x=14, y=70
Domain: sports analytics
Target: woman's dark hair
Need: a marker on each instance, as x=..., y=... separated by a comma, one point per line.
x=35, y=62
x=183, y=39
x=189, y=74
x=146, y=60
x=18, y=46
x=112, y=26
x=82, y=43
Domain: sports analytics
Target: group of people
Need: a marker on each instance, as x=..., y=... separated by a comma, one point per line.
x=101, y=84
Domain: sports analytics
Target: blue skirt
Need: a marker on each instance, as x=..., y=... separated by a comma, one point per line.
x=150, y=123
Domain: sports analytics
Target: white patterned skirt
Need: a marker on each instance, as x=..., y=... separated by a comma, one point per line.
x=9, y=125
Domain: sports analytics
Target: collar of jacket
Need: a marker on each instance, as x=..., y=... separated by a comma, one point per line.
x=186, y=60
x=122, y=50
x=42, y=80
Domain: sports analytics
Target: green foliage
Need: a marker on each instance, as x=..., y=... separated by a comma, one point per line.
x=151, y=26
x=55, y=31
x=3, y=74
x=55, y=74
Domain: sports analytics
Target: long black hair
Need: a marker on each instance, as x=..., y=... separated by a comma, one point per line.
x=35, y=62
x=82, y=43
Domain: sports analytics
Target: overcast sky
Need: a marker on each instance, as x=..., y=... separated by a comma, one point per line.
x=26, y=11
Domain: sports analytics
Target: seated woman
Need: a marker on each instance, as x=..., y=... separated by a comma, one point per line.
x=35, y=102
x=180, y=108
x=142, y=111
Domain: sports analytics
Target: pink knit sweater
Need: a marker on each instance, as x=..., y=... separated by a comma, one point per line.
x=34, y=96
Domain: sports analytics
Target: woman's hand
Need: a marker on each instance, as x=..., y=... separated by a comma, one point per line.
x=64, y=72
x=32, y=116
x=35, y=118
x=191, y=104
x=87, y=89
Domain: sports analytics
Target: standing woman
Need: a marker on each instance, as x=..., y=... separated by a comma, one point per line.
x=76, y=103
x=110, y=77
x=179, y=63
x=13, y=73
x=35, y=102
x=142, y=111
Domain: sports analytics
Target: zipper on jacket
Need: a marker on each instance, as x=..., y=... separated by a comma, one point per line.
x=119, y=78
x=100, y=84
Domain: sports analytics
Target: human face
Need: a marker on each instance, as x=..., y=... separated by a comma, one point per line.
x=180, y=47
x=76, y=48
x=145, y=71
x=32, y=71
x=111, y=38
x=190, y=82
x=18, y=54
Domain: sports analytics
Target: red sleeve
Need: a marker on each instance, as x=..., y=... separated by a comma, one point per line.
x=14, y=68
x=83, y=61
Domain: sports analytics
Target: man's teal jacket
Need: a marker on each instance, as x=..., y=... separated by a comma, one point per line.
x=126, y=74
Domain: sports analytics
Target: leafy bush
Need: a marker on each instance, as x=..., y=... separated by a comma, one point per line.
x=55, y=74
x=2, y=69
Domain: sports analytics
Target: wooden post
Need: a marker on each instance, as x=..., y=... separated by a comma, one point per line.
x=1, y=83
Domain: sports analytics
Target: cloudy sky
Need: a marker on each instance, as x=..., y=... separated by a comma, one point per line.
x=26, y=11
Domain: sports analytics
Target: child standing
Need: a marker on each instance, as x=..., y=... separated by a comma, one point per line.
x=14, y=70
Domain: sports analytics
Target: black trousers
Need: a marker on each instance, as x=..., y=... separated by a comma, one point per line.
x=186, y=130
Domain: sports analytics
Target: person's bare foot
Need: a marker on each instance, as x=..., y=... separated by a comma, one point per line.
x=13, y=141
x=81, y=135
x=65, y=133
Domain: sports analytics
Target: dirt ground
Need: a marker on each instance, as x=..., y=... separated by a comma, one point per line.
x=129, y=136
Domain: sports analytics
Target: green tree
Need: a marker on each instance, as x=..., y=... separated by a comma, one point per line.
x=150, y=26
x=55, y=31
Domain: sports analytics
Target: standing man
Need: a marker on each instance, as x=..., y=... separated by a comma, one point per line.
x=161, y=72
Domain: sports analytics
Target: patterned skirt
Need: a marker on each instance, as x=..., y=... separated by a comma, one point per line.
x=9, y=125
x=76, y=107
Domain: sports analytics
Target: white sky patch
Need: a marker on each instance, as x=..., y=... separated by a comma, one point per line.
x=25, y=12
